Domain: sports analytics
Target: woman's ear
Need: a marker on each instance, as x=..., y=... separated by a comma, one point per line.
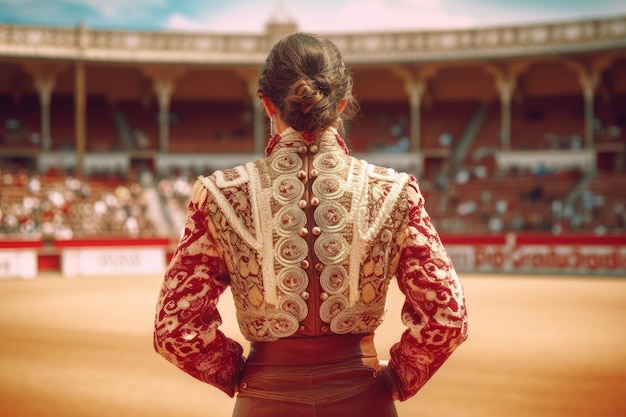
x=342, y=105
x=270, y=108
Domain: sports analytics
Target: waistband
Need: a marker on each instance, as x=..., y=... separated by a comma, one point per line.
x=314, y=350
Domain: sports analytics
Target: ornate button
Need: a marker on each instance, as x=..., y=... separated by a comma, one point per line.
x=302, y=150
x=302, y=328
x=302, y=204
x=283, y=325
x=325, y=329
x=328, y=162
x=305, y=264
x=331, y=307
x=292, y=279
x=313, y=148
x=287, y=189
x=344, y=322
x=386, y=235
x=315, y=201
x=324, y=296
x=334, y=279
x=286, y=162
x=331, y=249
x=317, y=231
x=330, y=216
x=302, y=174
x=244, y=385
x=289, y=220
x=304, y=295
x=328, y=186
x=304, y=231
x=291, y=250
x=314, y=173
x=294, y=306
x=319, y=267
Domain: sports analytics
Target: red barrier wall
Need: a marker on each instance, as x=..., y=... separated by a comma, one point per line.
x=514, y=253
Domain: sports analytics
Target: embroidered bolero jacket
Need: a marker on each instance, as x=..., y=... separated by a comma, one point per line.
x=308, y=239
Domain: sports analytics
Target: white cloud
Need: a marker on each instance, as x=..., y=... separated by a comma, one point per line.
x=326, y=16
x=346, y=16
x=179, y=22
x=371, y=15
x=323, y=16
x=117, y=8
x=422, y=4
x=241, y=17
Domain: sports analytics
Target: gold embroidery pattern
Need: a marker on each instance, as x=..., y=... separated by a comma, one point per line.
x=289, y=248
x=334, y=279
x=333, y=217
x=352, y=264
x=242, y=231
x=378, y=256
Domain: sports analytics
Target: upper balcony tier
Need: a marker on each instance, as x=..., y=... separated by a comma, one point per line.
x=81, y=43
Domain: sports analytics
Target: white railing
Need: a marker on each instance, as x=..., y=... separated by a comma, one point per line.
x=487, y=42
x=134, y=46
x=584, y=159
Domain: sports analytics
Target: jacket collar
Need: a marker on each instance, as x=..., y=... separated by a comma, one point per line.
x=290, y=138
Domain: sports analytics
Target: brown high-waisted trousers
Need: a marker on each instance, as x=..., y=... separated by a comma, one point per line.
x=328, y=376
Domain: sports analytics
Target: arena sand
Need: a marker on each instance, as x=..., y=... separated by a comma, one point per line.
x=538, y=346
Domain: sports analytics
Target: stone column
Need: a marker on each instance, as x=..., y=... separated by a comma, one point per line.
x=589, y=75
x=163, y=85
x=80, y=98
x=505, y=78
x=44, y=88
x=506, y=85
x=44, y=76
x=588, y=87
x=415, y=84
x=164, y=90
x=80, y=104
x=415, y=90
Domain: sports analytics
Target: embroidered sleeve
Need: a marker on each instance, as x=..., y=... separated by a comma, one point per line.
x=186, y=324
x=434, y=308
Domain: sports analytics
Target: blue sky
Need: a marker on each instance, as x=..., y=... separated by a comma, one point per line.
x=322, y=16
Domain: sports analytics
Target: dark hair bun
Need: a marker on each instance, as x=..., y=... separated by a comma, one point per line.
x=306, y=78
